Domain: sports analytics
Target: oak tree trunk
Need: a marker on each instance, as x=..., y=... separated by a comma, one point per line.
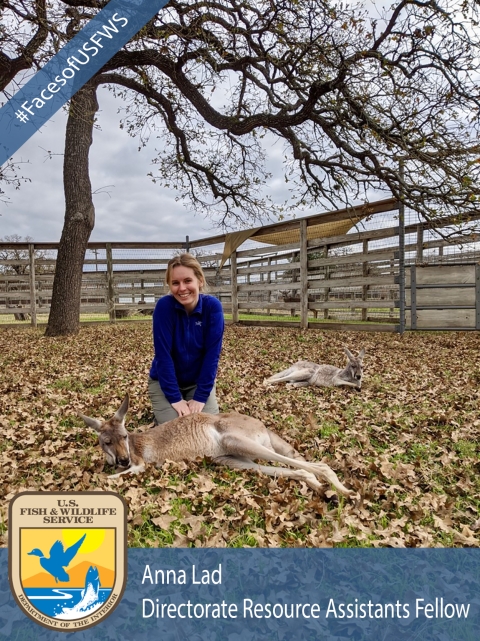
x=79, y=221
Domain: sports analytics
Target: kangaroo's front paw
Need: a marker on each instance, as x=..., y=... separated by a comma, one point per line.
x=117, y=475
x=133, y=469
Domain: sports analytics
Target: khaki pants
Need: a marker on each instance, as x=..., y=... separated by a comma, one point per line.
x=165, y=412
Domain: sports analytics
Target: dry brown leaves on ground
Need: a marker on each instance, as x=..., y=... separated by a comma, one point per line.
x=407, y=443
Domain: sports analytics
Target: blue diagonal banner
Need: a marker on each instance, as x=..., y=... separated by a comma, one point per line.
x=70, y=69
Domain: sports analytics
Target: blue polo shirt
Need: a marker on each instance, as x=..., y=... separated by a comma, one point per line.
x=187, y=346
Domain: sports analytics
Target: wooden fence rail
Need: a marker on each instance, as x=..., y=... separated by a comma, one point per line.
x=343, y=277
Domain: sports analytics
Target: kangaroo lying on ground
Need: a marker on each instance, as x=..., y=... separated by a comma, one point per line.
x=229, y=439
x=306, y=373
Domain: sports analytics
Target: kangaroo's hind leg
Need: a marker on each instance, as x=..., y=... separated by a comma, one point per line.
x=282, y=447
x=237, y=444
x=299, y=384
x=290, y=375
x=320, y=469
x=244, y=463
x=279, y=377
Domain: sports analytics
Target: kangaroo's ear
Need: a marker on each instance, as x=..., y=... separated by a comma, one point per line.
x=349, y=354
x=94, y=423
x=361, y=354
x=123, y=409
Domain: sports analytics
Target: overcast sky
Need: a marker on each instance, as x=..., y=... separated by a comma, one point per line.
x=128, y=205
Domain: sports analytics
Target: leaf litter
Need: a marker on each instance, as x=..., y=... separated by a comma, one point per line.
x=408, y=443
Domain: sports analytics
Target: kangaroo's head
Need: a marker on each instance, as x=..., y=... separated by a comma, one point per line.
x=354, y=369
x=112, y=435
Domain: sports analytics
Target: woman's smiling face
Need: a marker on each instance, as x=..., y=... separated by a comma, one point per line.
x=185, y=287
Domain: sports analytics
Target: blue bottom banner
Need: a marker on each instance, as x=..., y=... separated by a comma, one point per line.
x=274, y=594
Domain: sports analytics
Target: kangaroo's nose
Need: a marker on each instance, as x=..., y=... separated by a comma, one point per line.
x=124, y=462
x=358, y=377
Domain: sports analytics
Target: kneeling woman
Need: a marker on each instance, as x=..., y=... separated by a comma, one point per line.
x=187, y=336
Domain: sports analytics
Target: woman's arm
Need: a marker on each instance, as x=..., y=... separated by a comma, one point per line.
x=214, y=327
x=163, y=329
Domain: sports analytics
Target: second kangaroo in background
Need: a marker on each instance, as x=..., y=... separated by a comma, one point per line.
x=306, y=373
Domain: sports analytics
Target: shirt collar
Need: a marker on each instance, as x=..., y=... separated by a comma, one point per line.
x=198, y=308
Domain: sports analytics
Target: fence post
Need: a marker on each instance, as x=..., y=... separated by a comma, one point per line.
x=477, y=296
x=303, y=275
x=269, y=281
x=365, y=270
x=249, y=293
x=419, y=243
x=401, y=250
x=326, y=290
x=110, y=285
x=413, y=297
x=295, y=278
x=233, y=278
x=33, y=291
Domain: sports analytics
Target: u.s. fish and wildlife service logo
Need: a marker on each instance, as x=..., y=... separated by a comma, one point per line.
x=67, y=556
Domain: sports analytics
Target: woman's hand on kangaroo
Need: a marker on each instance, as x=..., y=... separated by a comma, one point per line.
x=182, y=408
x=195, y=406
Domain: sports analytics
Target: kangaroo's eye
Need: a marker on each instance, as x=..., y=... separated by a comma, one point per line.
x=107, y=441
x=126, y=436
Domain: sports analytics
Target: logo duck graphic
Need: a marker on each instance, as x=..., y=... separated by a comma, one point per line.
x=59, y=558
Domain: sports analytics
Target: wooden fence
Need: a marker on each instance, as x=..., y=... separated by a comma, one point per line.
x=344, y=281
x=443, y=297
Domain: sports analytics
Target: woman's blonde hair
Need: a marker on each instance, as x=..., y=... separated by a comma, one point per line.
x=186, y=260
